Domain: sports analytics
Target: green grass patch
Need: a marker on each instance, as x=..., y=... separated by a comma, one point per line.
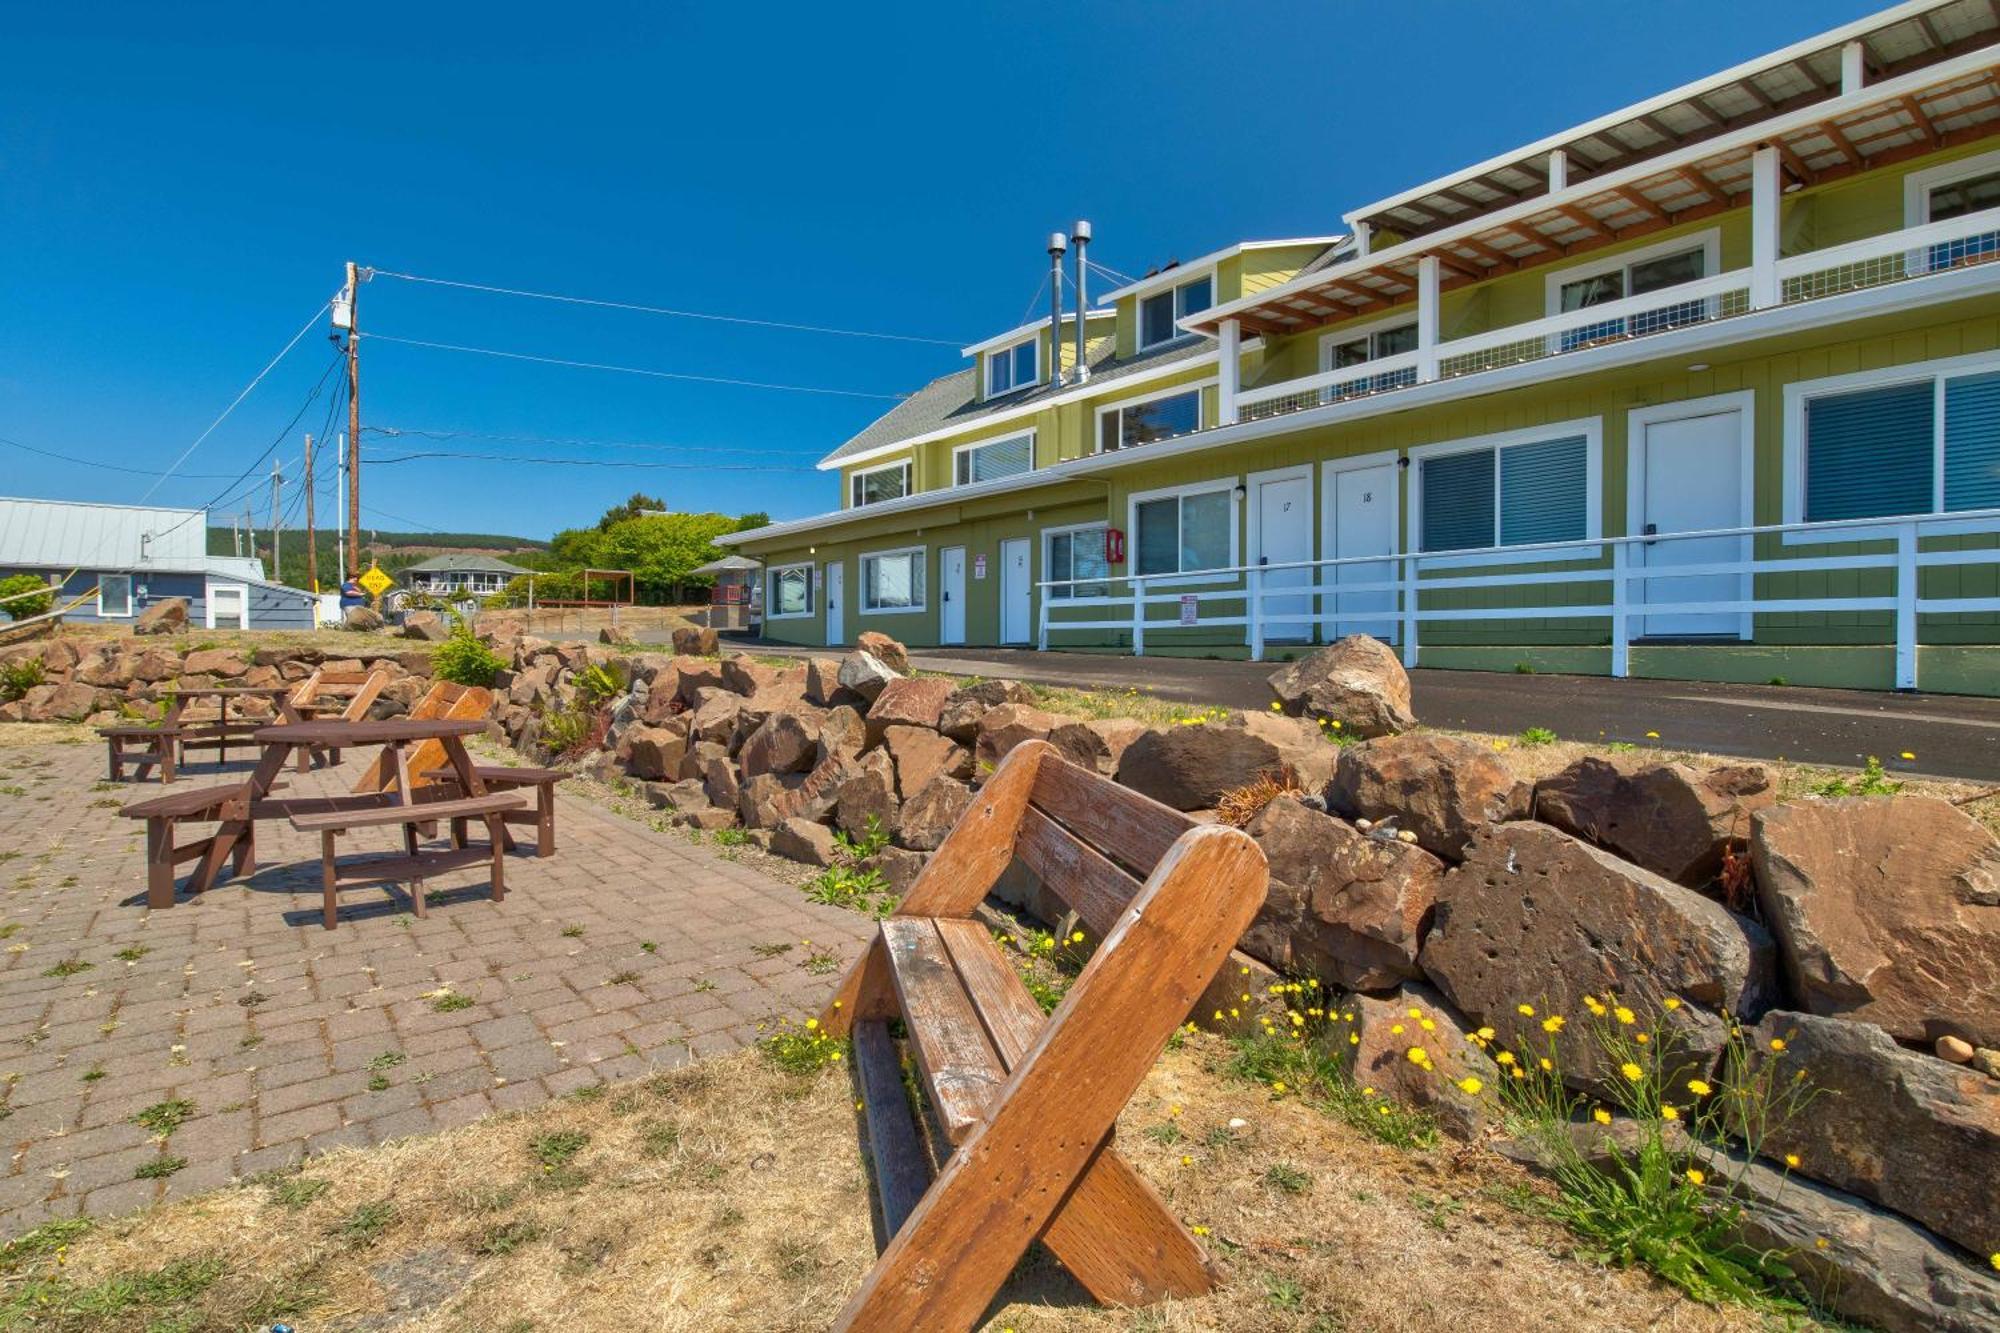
x=165, y=1117
x=160, y=1168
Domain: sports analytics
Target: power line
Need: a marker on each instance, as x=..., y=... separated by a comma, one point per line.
x=268, y=451
x=667, y=310
x=633, y=370
x=175, y=467
x=598, y=462
x=108, y=467
x=399, y=432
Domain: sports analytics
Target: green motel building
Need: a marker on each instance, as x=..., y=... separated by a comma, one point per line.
x=1706, y=388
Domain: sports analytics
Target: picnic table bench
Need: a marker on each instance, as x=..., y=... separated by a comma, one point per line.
x=143, y=746
x=416, y=863
x=163, y=814
x=1027, y=1103
x=499, y=777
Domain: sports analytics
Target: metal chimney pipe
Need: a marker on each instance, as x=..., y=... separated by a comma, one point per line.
x=1081, y=231
x=1058, y=243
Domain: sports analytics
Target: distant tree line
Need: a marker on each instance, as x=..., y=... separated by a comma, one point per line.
x=659, y=548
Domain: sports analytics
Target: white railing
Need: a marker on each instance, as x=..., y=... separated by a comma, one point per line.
x=1315, y=601
x=1873, y=261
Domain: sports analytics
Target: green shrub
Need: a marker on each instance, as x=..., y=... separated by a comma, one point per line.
x=28, y=607
x=464, y=659
x=17, y=678
x=1871, y=781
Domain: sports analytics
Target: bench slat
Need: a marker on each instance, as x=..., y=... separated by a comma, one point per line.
x=961, y=1069
x=902, y=1167
x=1133, y=830
x=1094, y=887
x=421, y=866
x=502, y=774
x=421, y=813
x=185, y=804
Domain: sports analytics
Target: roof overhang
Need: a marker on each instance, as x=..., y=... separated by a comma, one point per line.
x=1034, y=326
x=1930, y=108
x=1182, y=270
x=1893, y=42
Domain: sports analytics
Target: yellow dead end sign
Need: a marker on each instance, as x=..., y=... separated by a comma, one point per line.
x=376, y=582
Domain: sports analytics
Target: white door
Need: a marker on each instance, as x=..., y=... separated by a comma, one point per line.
x=951, y=595
x=1690, y=472
x=1282, y=535
x=228, y=606
x=835, y=585
x=1014, y=590
x=1361, y=507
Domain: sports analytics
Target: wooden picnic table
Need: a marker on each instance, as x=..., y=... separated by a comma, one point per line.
x=219, y=730
x=281, y=740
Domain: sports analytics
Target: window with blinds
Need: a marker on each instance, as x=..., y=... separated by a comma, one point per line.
x=1513, y=495
x=1883, y=453
x=990, y=462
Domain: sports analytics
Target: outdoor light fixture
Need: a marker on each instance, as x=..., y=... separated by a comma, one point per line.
x=1241, y=490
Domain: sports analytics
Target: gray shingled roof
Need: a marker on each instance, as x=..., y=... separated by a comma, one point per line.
x=477, y=564
x=952, y=400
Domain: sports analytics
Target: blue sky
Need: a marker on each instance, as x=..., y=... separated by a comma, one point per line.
x=180, y=185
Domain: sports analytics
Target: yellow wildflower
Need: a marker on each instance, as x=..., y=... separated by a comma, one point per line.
x=1278, y=1086
x=1641, y=1037
x=1525, y=1010
x=1669, y=1113
x=1624, y=1015
x=1470, y=1085
x=1670, y=1004
x=1631, y=1071
x=1199, y=1231
x=1908, y=755
x=1652, y=735
x=1486, y=1034
x=1076, y=938
x=1505, y=1057
x=1553, y=1023
x=1418, y=1055
x=1187, y=1161
x=1427, y=1025
x=1695, y=1177
x=1778, y=1045
x=1792, y=1160
x=1416, y=1013
x=1601, y=1116
x=1395, y=1029
x=1353, y=1039
x=1699, y=1088
x=1548, y=1066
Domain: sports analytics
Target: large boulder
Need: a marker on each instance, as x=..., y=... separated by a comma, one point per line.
x=768, y=799
x=1002, y=728
x=715, y=715
x=1673, y=819
x=1537, y=917
x=222, y=663
x=842, y=731
x=959, y=719
x=169, y=615
x=802, y=840
x=426, y=625
x=1886, y=909
x=361, y=618
x=106, y=668
x=696, y=674
x=932, y=812
x=70, y=701
x=823, y=682
x=1344, y=907
x=1441, y=789
x=920, y=754
x=654, y=753
x=817, y=796
x=1189, y=767
x=864, y=675
x=1098, y=744
x=868, y=795
x=785, y=742
x=907, y=701
x=884, y=650
x=696, y=641
x=1414, y=1017
x=1357, y=682
x=1907, y=1130
x=746, y=675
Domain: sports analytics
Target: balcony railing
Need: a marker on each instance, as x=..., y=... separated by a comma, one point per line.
x=1711, y=583
x=1908, y=255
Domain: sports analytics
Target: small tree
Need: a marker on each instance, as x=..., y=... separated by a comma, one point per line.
x=25, y=596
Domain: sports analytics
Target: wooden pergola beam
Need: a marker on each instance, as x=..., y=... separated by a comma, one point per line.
x=1922, y=117
x=1640, y=202
x=1584, y=220
x=1841, y=141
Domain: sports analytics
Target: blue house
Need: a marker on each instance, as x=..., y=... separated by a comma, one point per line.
x=135, y=556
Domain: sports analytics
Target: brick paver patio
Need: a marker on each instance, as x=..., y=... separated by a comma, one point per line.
x=630, y=950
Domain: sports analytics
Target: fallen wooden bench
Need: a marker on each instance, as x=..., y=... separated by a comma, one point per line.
x=163, y=814
x=143, y=747
x=416, y=864
x=498, y=777
x=1026, y=1102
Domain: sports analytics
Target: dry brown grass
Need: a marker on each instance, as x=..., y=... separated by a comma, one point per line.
x=731, y=1195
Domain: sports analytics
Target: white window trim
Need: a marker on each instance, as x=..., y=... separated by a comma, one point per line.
x=1007, y=351
x=771, y=601
x=861, y=567
x=1028, y=435
x=1744, y=404
x=1196, y=387
x=131, y=598
x=1197, y=578
x=1334, y=338
x=1917, y=185
x=1139, y=342
x=1592, y=430
x=1048, y=537
x=909, y=480
x=208, y=602
x=1800, y=392
x=1709, y=241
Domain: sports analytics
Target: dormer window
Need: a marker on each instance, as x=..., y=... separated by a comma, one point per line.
x=1159, y=312
x=1012, y=368
x=873, y=485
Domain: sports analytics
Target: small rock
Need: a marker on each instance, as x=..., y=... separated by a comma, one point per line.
x=804, y=841
x=169, y=615
x=696, y=641
x=959, y=719
x=928, y=816
x=1955, y=1049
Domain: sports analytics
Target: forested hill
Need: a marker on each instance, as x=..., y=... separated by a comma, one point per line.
x=392, y=550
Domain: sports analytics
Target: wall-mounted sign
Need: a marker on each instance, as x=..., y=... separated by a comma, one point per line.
x=1190, y=607
x=979, y=566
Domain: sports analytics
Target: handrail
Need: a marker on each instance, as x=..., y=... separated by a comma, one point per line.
x=1613, y=565
x=1328, y=379
x=1686, y=293
x=1920, y=237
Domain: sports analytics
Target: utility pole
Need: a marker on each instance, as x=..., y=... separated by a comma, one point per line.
x=312, y=538
x=354, y=415
x=277, y=552
x=340, y=486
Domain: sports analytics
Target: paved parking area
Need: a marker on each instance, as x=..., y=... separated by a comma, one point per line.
x=630, y=950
